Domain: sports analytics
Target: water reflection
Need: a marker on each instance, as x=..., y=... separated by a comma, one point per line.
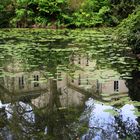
x=134, y=85
x=102, y=125
x=46, y=77
x=49, y=98
x=103, y=84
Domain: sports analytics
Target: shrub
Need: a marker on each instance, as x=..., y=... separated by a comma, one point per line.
x=129, y=30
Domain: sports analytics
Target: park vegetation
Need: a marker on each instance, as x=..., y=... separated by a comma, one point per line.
x=123, y=14
x=68, y=13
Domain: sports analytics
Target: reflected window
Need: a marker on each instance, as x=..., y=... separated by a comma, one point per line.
x=79, y=80
x=87, y=81
x=72, y=80
x=36, y=79
x=79, y=59
x=98, y=86
x=87, y=60
x=72, y=59
x=60, y=91
x=116, y=85
x=59, y=76
x=21, y=82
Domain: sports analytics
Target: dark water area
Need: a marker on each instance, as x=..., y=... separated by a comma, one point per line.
x=67, y=85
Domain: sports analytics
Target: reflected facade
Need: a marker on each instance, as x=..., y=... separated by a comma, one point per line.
x=62, y=85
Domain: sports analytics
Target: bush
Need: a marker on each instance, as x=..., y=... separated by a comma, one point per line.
x=92, y=13
x=72, y=13
x=129, y=30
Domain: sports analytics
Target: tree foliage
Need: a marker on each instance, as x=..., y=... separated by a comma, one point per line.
x=6, y=11
x=71, y=13
x=129, y=29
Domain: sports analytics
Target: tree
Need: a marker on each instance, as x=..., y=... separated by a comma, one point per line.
x=6, y=12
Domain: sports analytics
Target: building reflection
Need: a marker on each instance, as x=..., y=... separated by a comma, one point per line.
x=50, y=98
x=86, y=81
x=19, y=80
x=104, y=84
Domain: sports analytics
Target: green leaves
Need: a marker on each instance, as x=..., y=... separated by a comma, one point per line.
x=20, y=13
x=129, y=30
x=60, y=1
x=73, y=13
x=112, y=112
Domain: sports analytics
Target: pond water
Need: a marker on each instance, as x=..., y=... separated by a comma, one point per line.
x=67, y=85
